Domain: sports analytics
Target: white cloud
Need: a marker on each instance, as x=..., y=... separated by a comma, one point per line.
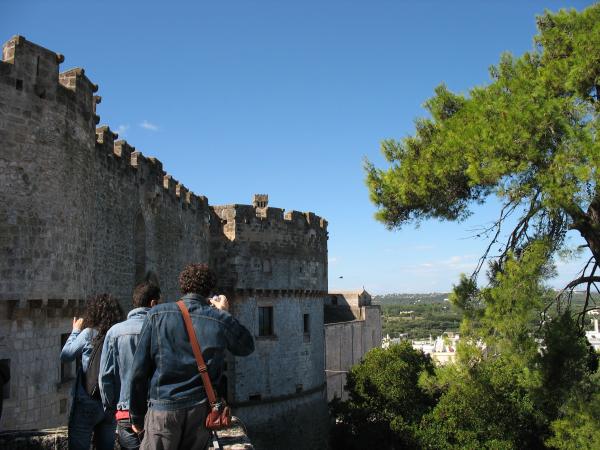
x=122, y=130
x=148, y=126
x=457, y=263
x=422, y=248
x=333, y=260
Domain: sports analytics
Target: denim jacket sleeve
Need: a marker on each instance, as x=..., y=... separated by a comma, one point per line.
x=109, y=378
x=239, y=339
x=74, y=345
x=142, y=370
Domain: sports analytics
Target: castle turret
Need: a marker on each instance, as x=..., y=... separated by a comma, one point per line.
x=273, y=265
x=32, y=69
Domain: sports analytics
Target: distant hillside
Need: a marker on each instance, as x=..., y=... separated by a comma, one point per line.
x=411, y=299
x=440, y=297
x=418, y=316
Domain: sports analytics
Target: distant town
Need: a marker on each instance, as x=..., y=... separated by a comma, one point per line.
x=432, y=323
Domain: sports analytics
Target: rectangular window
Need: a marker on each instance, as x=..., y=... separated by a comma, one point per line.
x=306, y=324
x=265, y=321
x=5, y=363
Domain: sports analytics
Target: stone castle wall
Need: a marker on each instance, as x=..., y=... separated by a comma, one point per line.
x=346, y=343
x=79, y=214
x=82, y=212
x=78, y=210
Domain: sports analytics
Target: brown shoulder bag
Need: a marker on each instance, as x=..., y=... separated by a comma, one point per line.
x=219, y=414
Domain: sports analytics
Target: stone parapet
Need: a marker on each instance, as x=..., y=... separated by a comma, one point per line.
x=36, y=309
x=268, y=249
x=33, y=69
x=232, y=438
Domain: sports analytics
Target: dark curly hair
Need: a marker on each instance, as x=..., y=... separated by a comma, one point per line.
x=144, y=293
x=102, y=312
x=197, y=279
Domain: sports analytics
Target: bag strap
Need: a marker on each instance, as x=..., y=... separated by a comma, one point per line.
x=210, y=393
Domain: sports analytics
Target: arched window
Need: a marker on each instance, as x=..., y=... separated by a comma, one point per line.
x=140, y=248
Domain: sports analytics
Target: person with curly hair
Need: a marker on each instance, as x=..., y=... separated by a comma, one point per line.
x=87, y=415
x=166, y=376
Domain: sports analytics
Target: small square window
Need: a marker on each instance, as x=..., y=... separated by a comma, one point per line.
x=265, y=321
x=19, y=85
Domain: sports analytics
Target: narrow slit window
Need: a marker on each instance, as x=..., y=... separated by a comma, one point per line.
x=265, y=321
x=5, y=368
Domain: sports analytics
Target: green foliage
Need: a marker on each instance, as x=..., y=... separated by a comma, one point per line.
x=577, y=429
x=565, y=361
x=514, y=301
x=420, y=320
x=487, y=406
x=530, y=138
x=386, y=401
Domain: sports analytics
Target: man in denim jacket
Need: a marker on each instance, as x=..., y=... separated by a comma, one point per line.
x=167, y=398
x=117, y=357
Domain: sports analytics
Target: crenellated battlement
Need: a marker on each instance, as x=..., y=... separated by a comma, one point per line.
x=145, y=169
x=265, y=248
x=34, y=70
x=31, y=68
x=105, y=137
x=246, y=214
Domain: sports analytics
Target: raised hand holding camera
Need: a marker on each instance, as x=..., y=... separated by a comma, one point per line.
x=220, y=302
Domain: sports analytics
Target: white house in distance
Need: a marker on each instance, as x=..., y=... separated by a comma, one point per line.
x=442, y=350
x=593, y=336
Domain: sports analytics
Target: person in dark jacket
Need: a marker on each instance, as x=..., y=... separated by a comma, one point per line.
x=117, y=357
x=167, y=399
x=87, y=416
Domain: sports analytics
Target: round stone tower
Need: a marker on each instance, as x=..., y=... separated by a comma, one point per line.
x=273, y=265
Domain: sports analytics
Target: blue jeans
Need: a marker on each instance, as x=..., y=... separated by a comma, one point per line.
x=87, y=417
x=128, y=439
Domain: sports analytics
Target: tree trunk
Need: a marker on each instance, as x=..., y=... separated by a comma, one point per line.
x=588, y=225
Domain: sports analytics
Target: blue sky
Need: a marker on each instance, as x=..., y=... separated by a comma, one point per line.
x=287, y=98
